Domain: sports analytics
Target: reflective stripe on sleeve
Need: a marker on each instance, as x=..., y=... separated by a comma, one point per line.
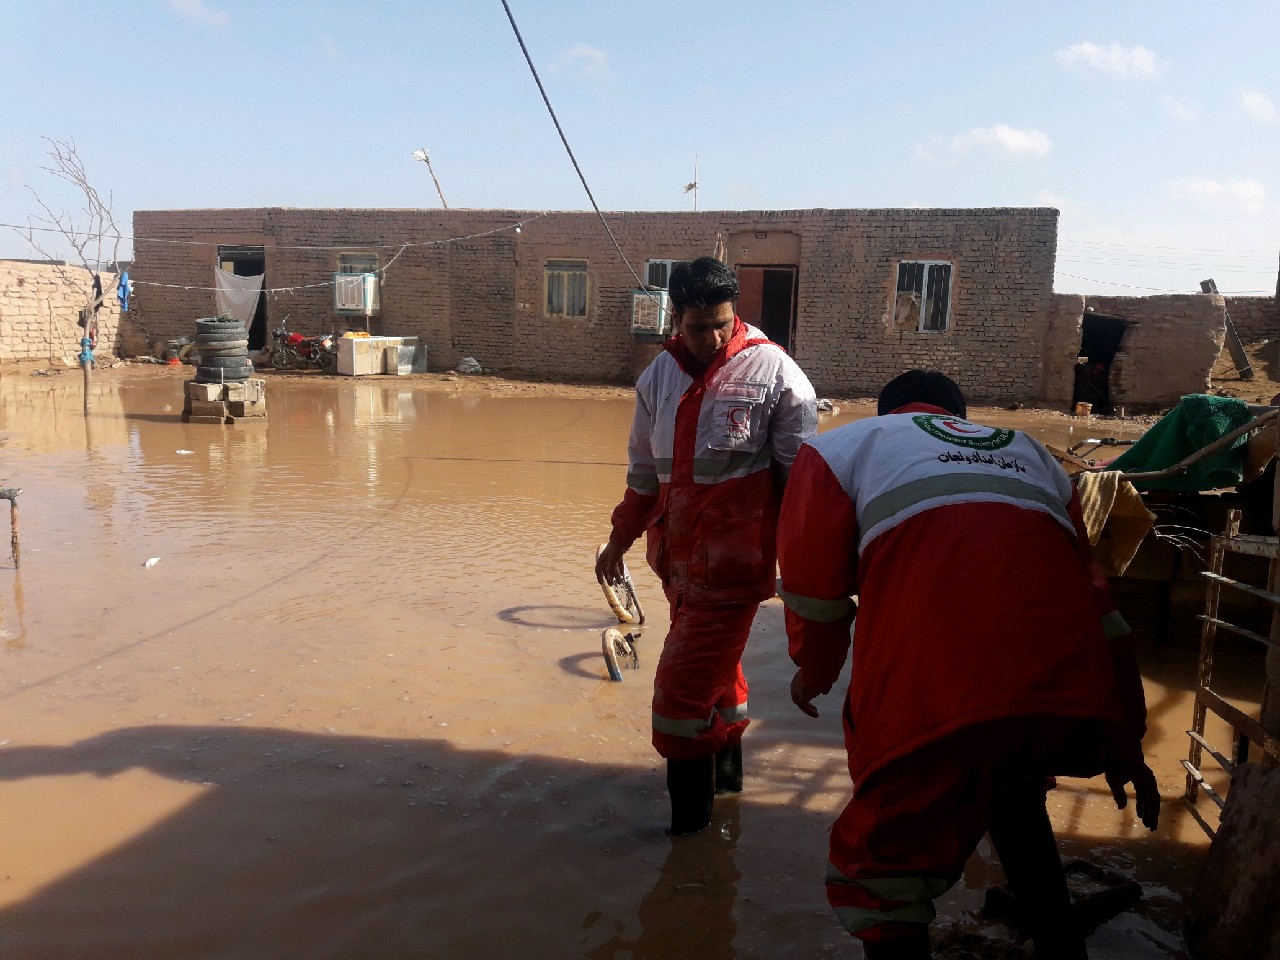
x=646, y=483
x=811, y=608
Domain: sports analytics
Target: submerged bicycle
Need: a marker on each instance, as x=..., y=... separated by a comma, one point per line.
x=620, y=648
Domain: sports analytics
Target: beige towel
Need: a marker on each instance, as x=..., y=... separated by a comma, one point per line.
x=1115, y=518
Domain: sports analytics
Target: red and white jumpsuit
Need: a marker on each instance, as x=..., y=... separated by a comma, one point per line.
x=700, y=482
x=985, y=637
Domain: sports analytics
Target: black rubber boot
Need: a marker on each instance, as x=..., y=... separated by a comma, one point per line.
x=729, y=768
x=691, y=784
x=914, y=946
x=1023, y=837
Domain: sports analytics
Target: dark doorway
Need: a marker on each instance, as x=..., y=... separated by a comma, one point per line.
x=768, y=300
x=1100, y=339
x=249, y=262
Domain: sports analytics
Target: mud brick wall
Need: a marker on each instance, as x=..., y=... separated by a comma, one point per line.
x=1255, y=318
x=1169, y=349
x=1062, y=346
x=484, y=296
x=39, y=306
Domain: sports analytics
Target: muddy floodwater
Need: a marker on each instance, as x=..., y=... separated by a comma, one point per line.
x=356, y=707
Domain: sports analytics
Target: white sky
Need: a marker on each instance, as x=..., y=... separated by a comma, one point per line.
x=1153, y=126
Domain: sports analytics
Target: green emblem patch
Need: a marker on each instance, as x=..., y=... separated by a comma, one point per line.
x=963, y=433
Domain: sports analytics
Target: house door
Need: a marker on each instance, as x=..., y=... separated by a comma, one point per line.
x=1100, y=339
x=768, y=300
x=249, y=262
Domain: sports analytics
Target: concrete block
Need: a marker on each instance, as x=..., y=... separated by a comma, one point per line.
x=247, y=408
x=203, y=391
x=235, y=391
x=255, y=390
x=208, y=408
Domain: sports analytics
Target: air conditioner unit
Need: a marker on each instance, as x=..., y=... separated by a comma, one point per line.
x=356, y=293
x=650, y=312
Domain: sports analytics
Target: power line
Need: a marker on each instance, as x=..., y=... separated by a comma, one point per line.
x=565, y=140
x=1129, y=286
x=284, y=246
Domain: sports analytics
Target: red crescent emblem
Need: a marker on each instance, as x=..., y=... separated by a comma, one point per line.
x=954, y=427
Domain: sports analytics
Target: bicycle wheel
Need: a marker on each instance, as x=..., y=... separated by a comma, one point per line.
x=621, y=595
x=618, y=652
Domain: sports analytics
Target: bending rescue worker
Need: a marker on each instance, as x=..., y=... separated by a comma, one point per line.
x=988, y=658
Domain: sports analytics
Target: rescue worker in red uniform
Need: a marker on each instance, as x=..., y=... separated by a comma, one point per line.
x=988, y=657
x=719, y=416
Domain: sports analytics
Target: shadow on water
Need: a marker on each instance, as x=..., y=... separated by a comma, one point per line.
x=449, y=854
x=311, y=845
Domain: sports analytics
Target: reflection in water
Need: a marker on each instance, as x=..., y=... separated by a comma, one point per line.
x=15, y=634
x=689, y=913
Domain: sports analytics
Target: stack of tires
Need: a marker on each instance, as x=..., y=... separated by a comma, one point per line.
x=223, y=348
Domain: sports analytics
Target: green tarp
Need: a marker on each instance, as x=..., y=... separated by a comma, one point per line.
x=1197, y=421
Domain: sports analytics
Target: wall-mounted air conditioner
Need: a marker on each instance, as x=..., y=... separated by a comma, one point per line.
x=650, y=312
x=356, y=293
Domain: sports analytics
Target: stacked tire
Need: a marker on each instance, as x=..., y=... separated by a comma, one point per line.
x=223, y=346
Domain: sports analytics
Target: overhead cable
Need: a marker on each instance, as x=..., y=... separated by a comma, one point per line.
x=565, y=140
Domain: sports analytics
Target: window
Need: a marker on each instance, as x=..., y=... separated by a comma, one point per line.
x=353, y=292
x=658, y=272
x=566, y=288
x=923, y=300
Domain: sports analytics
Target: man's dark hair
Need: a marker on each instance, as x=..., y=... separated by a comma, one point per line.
x=702, y=283
x=921, y=386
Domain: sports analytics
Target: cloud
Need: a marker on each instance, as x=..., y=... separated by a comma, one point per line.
x=198, y=12
x=585, y=60
x=1178, y=110
x=16, y=178
x=1002, y=139
x=1115, y=60
x=1258, y=106
x=327, y=45
x=1247, y=196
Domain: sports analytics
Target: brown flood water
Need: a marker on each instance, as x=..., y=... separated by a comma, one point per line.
x=357, y=709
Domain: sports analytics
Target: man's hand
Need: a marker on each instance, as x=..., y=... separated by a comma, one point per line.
x=802, y=695
x=1145, y=791
x=609, y=565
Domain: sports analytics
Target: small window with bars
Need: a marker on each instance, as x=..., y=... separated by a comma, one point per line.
x=566, y=288
x=658, y=272
x=923, y=299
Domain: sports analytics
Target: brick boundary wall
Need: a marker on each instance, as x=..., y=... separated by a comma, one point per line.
x=484, y=297
x=1255, y=318
x=39, y=306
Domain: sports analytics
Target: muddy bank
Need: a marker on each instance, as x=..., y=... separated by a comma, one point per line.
x=357, y=708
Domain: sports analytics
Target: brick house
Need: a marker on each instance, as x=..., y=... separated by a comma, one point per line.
x=857, y=296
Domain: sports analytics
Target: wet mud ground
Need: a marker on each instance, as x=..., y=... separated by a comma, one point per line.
x=357, y=709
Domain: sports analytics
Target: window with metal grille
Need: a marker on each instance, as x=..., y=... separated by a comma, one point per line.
x=357, y=263
x=658, y=272
x=923, y=299
x=566, y=288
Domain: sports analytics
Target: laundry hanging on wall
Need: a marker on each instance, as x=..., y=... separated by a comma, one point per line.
x=235, y=295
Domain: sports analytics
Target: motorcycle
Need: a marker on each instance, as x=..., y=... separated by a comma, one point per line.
x=293, y=351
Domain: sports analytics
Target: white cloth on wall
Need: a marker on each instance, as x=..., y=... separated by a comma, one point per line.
x=237, y=296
